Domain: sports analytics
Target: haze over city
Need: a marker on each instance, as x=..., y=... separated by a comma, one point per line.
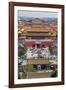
x=37, y=14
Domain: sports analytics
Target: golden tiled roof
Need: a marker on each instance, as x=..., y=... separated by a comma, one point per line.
x=39, y=61
x=33, y=28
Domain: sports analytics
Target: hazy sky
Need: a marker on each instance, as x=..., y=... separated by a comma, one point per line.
x=37, y=14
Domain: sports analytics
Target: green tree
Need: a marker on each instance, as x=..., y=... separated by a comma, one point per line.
x=21, y=51
x=30, y=68
x=54, y=74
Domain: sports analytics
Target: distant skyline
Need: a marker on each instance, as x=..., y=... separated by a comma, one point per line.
x=37, y=14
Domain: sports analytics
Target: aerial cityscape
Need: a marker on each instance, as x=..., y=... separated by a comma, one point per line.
x=37, y=45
